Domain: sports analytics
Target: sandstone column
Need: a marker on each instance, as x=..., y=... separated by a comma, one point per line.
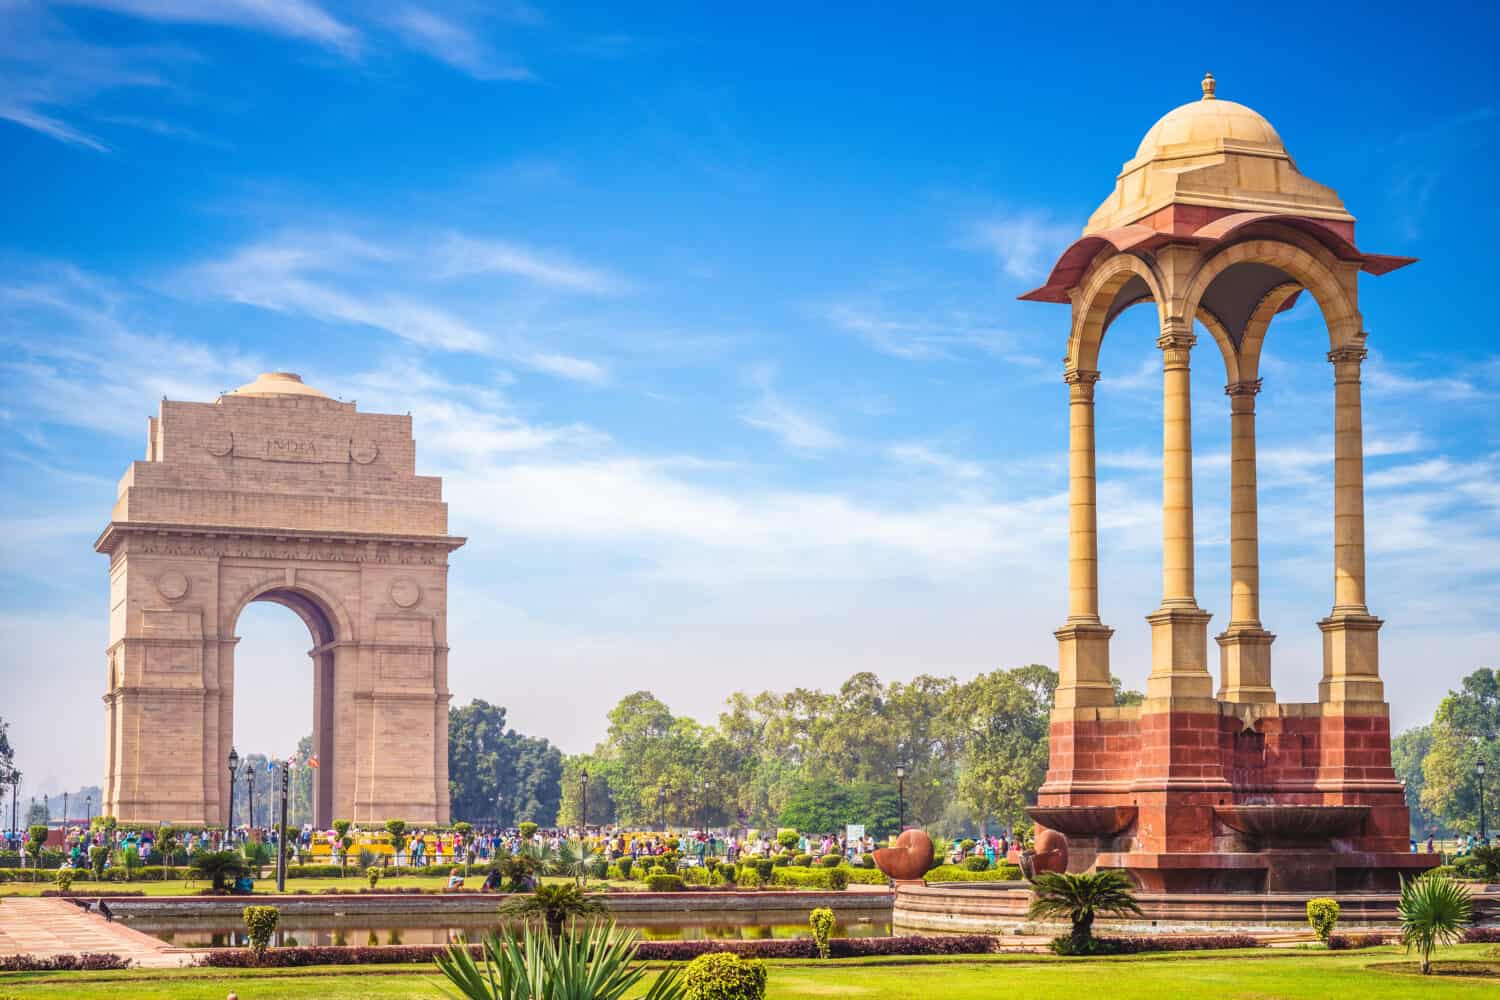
x=1179, y=629
x=1245, y=646
x=1083, y=643
x=1351, y=669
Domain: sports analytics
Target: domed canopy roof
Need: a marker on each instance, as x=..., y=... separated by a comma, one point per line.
x=1214, y=154
x=1208, y=125
x=278, y=384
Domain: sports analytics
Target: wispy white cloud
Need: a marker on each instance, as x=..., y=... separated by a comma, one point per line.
x=454, y=43
x=463, y=256
x=916, y=453
x=797, y=428
x=47, y=125
x=1025, y=245
x=342, y=277
x=300, y=19
x=943, y=335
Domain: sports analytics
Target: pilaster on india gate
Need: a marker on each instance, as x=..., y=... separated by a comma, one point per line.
x=276, y=492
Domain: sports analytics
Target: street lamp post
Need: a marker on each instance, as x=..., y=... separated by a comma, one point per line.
x=584, y=810
x=234, y=766
x=250, y=800
x=1479, y=770
x=88, y=813
x=901, y=797
x=281, y=833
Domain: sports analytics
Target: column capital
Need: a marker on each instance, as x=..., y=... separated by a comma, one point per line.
x=1346, y=361
x=1249, y=388
x=1081, y=384
x=1175, y=343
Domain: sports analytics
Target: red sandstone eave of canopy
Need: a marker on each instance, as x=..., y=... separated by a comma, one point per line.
x=1075, y=261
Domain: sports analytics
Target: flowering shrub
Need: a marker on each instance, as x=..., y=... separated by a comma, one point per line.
x=724, y=976
x=261, y=922
x=822, y=921
x=1323, y=915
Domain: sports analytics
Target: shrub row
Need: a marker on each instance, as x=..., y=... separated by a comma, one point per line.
x=88, y=961
x=1155, y=942
x=812, y=878
x=958, y=873
x=1349, y=942
x=650, y=951
x=1482, y=935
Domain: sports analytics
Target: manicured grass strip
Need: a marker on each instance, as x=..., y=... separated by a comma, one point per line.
x=1289, y=975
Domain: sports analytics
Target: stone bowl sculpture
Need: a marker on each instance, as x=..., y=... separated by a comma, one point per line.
x=909, y=860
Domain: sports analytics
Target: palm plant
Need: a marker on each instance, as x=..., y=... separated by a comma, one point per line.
x=218, y=866
x=554, y=905
x=596, y=962
x=576, y=858
x=1434, y=910
x=1081, y=897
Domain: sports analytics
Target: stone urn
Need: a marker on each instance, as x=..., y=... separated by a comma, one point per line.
x=909, y=860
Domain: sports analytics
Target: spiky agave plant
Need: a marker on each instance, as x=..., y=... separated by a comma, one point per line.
x=594, y=962
x=1434, y=910
x=1081, y=897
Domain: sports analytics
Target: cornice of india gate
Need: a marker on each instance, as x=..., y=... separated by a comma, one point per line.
x=318, y=546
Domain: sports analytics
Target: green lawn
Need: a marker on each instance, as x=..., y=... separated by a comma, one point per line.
x=1283, y=975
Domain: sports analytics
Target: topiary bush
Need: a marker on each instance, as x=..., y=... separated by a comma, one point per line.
x=64, y=878
x=261, y=922
x=977, y=863
x=838, y=879
x=764, y=867
x=801, y=860
x=98, y=855
x=831, y=860
x=958, y=873
x=528, y=830
x=625, y=864
x=664, y=883
x=822, y=921
x=1323, y=915
x=788, y=838
x=372, y=874
x=724, y=976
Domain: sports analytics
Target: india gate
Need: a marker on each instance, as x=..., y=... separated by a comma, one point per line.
x=277, y=492
x=1213, y=783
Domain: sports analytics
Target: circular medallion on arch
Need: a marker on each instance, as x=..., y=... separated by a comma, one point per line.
x=405, y=592
x=218, y=443
x=363, y=452
x=172, y=585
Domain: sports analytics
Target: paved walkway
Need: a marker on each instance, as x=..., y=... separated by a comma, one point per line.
x=46, y=927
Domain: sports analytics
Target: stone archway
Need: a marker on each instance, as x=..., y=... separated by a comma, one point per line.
x=275, y=492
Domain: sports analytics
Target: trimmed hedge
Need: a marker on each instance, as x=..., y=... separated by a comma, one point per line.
x=958, y=873
x=88, y=961
x=1153, y=943
x=664, y=883
x=812, y=878
x=650, y=951
x=1482, y=935
x=1347, y=942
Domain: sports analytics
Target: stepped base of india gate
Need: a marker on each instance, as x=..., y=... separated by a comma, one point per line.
x=276, y=492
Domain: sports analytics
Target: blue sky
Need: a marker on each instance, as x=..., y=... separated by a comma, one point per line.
x=709, y=322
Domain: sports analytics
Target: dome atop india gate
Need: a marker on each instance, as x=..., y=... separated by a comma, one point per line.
x=278, y=384
x=1217, y=155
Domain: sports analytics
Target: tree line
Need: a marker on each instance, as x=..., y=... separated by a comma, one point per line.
x=1437, y=760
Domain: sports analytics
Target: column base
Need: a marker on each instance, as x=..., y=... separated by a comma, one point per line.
x=1351, y=659
x=1083, y=655
x=1245, y=665
x=1179, y=679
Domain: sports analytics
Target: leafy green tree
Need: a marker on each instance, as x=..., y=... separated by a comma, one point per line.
x=1465, y=727
x=495, y=772
x=8, y=772
x=1408, y=753
x=1004, y=718
x=827, y=806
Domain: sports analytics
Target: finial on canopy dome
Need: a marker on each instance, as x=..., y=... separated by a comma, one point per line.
x=1208, y=86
